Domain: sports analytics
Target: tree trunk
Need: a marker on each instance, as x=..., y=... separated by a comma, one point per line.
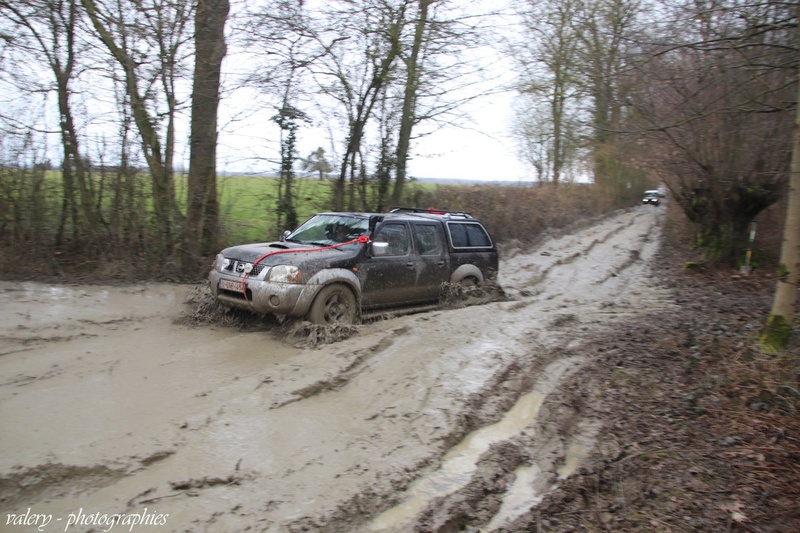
x=408, y=117
x=723, y=214
x=557, y=110
x=77, y=189
x=202, y=210
x=353, y=149
x=779, y=325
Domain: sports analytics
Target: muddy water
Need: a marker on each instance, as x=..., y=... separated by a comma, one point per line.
x=107, y=362
x=110, y=406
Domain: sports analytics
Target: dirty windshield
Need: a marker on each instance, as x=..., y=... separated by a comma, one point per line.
x=327, y=230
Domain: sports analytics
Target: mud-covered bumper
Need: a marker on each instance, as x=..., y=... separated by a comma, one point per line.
x=259, y=296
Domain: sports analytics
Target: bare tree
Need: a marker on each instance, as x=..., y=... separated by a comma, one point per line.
x=358, y=86
x=439, y=72
x=386, y=161
x=288, y=119
x=572, y=60
x=549, y=63
x=293, y=44
x=145, y=39
x=607, y=31
x=716, y=112
x=372, y=61
x=48, y=34
x=408, y=117
x=317, y=162
x=532, y=129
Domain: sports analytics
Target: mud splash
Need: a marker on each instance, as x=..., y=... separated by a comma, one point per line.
x=205, y=311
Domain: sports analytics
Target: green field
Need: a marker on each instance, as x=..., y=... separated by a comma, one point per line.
x=248, y=205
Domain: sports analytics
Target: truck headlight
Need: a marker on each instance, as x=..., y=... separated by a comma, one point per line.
x=220, y=263
x=285, y=274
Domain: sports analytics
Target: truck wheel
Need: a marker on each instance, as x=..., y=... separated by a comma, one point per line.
x=470, y=282
x=335, y=304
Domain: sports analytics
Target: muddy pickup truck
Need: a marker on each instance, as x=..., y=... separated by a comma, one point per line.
x=337, y=267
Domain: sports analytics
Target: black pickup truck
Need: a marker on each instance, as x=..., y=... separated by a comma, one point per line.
x=336, y=266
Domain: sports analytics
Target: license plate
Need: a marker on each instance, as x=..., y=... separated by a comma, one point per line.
x=235, y=286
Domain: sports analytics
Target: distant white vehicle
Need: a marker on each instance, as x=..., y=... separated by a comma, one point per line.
x=651, y=198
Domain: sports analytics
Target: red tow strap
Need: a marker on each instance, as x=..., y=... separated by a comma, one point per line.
x=363, y=239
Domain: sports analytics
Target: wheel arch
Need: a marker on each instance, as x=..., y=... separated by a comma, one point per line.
x=322, y=279
x=467, y=271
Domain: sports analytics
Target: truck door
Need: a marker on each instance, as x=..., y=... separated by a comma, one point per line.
x=431, y=258
x=388, y=278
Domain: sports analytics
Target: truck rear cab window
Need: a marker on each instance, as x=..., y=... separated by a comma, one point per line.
x=468, y=235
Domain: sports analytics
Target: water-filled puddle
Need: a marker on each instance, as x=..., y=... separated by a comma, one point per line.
x=460, y=463
x=522, y=495
x=575, y=454
x=530, y=487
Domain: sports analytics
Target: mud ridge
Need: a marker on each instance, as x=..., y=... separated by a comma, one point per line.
x=634, y=256
x=482, y=497
x=499, y=392
x=390, y=490
x=542, y=275
x=574, y=227
x=55, y=480
x=204, y=310
x=576, y=255
x=208, y=481
x=27, y=341
x=332, y=383
x=21, y=381
x=605, y=238
x=541, y=448
x=389, y=406
x=302, y=334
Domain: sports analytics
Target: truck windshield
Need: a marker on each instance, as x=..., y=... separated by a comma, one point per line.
x=327, y=230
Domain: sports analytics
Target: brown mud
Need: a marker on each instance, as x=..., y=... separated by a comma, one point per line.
x=535, y=411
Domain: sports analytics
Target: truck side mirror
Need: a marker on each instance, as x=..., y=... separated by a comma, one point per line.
x=380, y=248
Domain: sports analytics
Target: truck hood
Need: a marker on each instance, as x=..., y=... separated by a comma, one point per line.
x=286, y=253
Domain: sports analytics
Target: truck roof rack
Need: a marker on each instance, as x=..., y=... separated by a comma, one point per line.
x=430, y=211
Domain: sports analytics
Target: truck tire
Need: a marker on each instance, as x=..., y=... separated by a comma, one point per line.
x=334, y=304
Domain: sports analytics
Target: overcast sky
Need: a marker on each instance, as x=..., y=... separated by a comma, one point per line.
x=481, y=148
x=485, y=151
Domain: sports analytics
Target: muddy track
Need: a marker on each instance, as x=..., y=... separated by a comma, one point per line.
x=406, y=425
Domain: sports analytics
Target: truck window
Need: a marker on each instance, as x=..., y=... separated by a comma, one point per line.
x=468, y=235
x=426, y=237
x=397, y=237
